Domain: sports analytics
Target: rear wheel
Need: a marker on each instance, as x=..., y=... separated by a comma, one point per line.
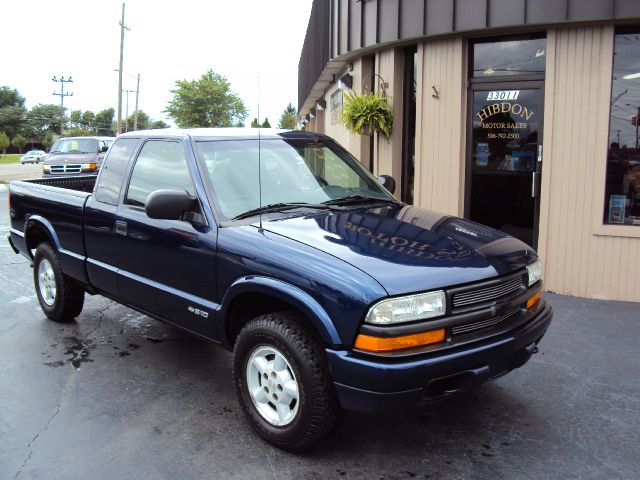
x=283, y=382
x=61, y=298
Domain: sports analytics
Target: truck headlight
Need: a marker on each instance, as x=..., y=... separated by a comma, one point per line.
x=406, y=309
x=88, y=167
x=534, y=272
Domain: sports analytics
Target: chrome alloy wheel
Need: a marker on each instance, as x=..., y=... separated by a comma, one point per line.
x=47, y=282
x=272, y=386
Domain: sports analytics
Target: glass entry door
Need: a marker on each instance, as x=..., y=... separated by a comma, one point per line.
x=503, y=173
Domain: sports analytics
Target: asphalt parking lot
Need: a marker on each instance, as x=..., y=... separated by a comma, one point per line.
x=118, y=395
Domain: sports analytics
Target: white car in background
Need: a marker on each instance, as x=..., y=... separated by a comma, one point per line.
x=33, y=156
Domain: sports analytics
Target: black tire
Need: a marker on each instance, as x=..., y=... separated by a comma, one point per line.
x=318, y=412
x=68, y=300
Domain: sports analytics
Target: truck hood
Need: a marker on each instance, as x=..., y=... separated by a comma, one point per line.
x=56, y=158
x=408, y=249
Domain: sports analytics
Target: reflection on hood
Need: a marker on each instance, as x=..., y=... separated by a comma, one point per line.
x=407, y=248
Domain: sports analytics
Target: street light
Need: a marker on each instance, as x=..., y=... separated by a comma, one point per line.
x=137, y=90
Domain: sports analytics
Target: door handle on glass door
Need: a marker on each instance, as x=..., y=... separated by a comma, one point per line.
x=535, y=191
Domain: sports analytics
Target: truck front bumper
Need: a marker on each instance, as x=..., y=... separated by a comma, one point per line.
x=368, y=384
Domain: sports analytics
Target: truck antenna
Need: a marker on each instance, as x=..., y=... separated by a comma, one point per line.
x=259, y=179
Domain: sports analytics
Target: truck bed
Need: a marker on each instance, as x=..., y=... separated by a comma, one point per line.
x=83, y=183
x=54, y=206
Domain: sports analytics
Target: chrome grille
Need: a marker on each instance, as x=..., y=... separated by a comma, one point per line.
x=65, y=168
x=472, y=327
x=487, y=294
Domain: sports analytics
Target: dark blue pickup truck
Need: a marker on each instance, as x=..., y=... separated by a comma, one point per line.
x=281, y=247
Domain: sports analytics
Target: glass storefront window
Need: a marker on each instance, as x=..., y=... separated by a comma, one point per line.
x=622, y=189
x=494, y=58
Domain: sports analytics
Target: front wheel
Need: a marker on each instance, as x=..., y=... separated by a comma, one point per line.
x=61, y=299
x=283, y=382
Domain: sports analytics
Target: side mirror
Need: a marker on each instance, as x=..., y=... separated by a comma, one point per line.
x=170, y=204
x=387, y=182
x=103, y=149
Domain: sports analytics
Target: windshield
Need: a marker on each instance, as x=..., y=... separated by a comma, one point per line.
x=75, y=145
x=291, y=171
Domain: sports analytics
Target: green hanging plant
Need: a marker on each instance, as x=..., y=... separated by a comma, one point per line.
x=365, y=114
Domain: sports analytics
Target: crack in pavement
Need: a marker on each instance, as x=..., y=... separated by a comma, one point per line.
x=63, y=395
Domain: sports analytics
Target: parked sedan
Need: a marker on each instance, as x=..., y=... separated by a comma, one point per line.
x=33, y=156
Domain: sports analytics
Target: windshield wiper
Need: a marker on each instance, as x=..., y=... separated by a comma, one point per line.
x=276, y=207
x=360, y=199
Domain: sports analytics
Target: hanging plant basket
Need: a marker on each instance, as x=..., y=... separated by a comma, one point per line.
x=366, y=114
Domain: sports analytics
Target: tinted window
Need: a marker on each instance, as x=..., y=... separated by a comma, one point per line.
x=622, y=187
x=160, y=165
x=509, y=57
x=108, y=189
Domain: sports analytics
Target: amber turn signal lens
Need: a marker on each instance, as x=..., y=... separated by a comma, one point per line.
x=381, y=344
x=533, y=301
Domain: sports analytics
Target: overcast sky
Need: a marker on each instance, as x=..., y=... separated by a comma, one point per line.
x=168, y=40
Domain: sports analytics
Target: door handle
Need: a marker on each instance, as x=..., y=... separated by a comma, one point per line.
x=535, y=191
x=121, y=227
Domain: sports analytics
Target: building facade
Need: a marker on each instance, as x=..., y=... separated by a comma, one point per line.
x=519, y=114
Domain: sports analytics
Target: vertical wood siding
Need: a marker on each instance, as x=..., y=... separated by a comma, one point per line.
x=388, y=153
x=440, y=126
x=578, y=259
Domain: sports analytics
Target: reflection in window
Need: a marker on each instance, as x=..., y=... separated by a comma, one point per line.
x=282, y=171
x=622, y=190
x=160, y=165
x=524, y=56
x=108, y=188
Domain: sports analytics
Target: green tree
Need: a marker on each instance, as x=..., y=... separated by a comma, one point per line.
x=143, y=121
x=254, y=123
x=205, y=102
x=75, y=119
x=12, y=111
x=266, y=123
x=44, y=118
x=158, y=124
x=47, y=140
x=88, y=120
x=9, y=97
x=289, y=118
x=104, y=122
x=4, y=143
x=77, y=132
x=19, y=141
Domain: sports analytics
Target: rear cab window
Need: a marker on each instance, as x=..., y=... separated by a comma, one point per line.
x=112, y=173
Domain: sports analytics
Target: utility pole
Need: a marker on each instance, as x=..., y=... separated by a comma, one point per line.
x=62, y=94
x=135, y=115
x=637, y=121
x=126, y=119
x=123, y=27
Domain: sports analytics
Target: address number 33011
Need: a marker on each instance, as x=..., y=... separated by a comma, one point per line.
x=503, y=95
